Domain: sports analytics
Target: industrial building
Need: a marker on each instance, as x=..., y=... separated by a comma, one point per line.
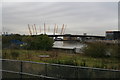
x=113, y=35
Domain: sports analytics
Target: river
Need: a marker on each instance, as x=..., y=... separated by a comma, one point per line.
x=68, y=44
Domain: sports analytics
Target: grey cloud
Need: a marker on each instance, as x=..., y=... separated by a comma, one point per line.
x=90, y=17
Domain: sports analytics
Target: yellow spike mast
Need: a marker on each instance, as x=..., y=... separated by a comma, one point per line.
x=62, y=29
x=29, y=29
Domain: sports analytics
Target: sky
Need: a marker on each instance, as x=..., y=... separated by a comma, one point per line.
x=93, y=18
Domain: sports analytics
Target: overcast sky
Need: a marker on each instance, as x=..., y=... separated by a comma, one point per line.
x=81, y=17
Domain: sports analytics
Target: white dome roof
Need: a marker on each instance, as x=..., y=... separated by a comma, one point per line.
x=48, y=33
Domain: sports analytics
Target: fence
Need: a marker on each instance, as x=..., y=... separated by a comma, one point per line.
x=29, y=69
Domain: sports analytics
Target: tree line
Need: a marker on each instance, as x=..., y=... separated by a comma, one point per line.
x=38, y=42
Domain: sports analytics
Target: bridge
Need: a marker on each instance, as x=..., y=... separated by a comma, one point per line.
x=76, y=36
x=69, y=37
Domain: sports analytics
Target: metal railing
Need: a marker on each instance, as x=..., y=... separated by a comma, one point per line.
x=29, y=69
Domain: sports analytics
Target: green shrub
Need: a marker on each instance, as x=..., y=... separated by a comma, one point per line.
x=15, y=55
x=6, y=40
x=69, y=62
x=95, y=50
x=115, y=51
x=41, y=42
x=83, y=62
x=64, y=61
x=4, y=55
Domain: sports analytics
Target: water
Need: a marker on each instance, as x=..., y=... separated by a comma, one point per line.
x=68, y=44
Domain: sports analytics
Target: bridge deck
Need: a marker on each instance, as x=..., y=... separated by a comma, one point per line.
x=76, y=36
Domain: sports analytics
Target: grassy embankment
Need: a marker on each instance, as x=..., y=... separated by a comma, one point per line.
x=62, y=58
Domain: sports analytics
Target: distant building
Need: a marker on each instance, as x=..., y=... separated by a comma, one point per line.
x=113, y=35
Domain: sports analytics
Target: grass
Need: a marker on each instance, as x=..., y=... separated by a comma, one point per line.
x=63, y=58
